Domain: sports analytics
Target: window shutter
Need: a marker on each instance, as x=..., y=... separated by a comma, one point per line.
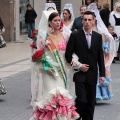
x=58, y=5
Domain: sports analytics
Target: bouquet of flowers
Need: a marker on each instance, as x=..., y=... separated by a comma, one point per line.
x=37, y=56
x=34, y=38
x=40, y=57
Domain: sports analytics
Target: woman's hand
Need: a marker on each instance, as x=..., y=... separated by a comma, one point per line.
x=84, y=67
x=102, y=80
x=51, y=71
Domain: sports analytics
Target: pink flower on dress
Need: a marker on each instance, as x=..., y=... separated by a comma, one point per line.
x=63, y=101
x=41, y=116
x=36, y=114
x=54, y=101
x=49, y=107
x=74, y=114
x=62, y=110
x=48, y=115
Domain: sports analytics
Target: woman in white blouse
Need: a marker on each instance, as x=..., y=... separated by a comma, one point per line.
x=67, y=16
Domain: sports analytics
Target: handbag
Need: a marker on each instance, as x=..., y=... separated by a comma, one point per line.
x=2, y=89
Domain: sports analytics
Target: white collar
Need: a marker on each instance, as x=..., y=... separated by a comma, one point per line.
x=86, y=32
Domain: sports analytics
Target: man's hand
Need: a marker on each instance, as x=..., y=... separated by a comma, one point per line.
x=102, y=80
x=84, y=67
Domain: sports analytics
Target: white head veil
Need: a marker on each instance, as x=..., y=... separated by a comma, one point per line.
x=50, y=5
x=70, y=8
x=117, y=4
x=43, y=26
x=104, y=31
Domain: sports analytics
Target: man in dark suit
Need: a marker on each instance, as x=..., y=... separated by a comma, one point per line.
x=87, y=45
x=77, y=25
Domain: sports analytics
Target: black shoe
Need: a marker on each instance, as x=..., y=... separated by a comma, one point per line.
x=116, y=58
x=2, y=45
x=113, y=61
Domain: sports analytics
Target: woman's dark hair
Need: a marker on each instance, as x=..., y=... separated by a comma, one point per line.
x=1, y=24
x=68, y=12
x=94, y=14
x=86, y=3
x=52, y=16
x=50, y=7
x=28, y=5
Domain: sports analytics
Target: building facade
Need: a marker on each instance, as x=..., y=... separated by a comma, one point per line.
x=12, y=13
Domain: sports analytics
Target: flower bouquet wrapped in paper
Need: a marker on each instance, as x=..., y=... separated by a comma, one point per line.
x=48, y=65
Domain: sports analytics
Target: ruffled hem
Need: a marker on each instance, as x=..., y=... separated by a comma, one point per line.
x=107, y=97
x=99, y=98
x=57, y=106
x=103, y=93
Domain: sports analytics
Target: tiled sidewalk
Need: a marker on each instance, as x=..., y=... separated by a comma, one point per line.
x=14, y=58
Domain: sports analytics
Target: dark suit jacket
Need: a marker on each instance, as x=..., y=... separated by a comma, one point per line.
x=77, y=23
x=30, y=16
x=93, y=57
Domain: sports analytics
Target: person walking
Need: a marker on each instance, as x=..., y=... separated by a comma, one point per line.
x=2, y=30
x=77, y=24
x=67, y=15
x=30, y=17
x=51, y=72
x=104, y=13
x=87, y=45
x=103, y=92
x=114, y=20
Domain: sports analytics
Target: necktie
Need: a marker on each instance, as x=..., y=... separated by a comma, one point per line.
x=88, y=37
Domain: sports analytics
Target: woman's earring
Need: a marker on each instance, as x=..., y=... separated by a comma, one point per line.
x=61, y=29
x=51, y=30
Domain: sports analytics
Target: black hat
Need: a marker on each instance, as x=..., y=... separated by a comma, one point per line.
x=28, y=5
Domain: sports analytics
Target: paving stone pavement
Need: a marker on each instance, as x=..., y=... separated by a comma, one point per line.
x=14, y=58
x=15, y=104
x=110, y=110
